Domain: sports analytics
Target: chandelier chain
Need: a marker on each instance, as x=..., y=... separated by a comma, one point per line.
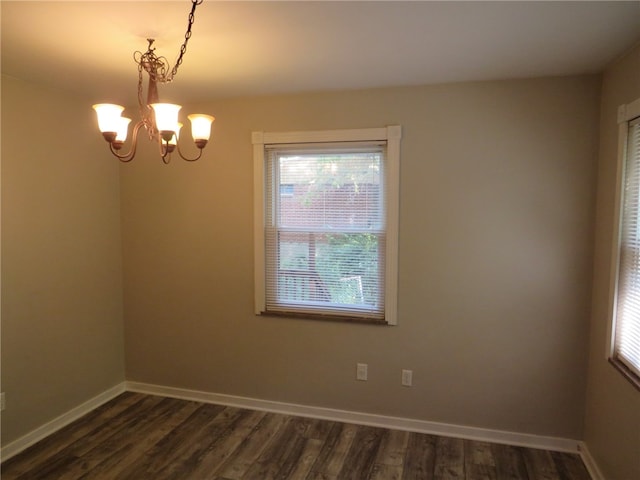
x=157, y=67
x=187, y=36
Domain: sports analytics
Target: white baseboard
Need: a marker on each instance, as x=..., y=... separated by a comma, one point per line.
x=397, y=423
x=590, y=463
x=57, y=423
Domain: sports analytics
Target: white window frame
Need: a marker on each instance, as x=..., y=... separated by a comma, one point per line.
x=391, y=135
x=626, y=113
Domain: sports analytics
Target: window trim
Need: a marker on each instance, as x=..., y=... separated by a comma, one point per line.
x=626, y=113
x=391, y=135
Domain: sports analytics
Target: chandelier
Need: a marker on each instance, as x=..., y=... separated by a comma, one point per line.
x=160, y=120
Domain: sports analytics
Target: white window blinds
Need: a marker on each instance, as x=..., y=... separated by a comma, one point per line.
x=325, y=229
x=627, y=318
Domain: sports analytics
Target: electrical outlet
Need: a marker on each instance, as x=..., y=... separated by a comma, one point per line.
x=361, y=371
x=407, y=378
x=1, y=401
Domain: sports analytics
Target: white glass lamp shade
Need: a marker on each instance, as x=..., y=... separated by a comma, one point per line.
x=166, y=116
x=108, y=116
x=201, y=126
x=122, y=129
x=176, y=136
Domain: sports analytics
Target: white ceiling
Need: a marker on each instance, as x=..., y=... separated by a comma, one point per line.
x=249, y=48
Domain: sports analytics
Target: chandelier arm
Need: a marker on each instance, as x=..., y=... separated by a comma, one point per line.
x=165, y=150
x=186, y=158
x=127, y=157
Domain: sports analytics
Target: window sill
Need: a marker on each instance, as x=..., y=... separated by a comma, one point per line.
x=626, y=372
x=328, y=318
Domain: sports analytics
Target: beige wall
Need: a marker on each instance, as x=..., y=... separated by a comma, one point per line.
x=612, y=427
x=497, y=194
x=496, y=222
x=62, y=340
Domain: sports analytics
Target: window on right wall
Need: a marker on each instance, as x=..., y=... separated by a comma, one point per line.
x=624, y=350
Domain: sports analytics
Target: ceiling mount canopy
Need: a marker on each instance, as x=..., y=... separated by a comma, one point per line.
x=160, y=120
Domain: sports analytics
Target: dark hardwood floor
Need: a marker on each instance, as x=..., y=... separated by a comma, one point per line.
x=138, y=437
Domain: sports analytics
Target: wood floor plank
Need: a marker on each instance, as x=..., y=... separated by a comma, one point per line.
x=320, y=429
x=449, y=461
x=479, y=461
x=570, y=466
x=252, y=447
x=222, y=449
x=419, y=461
x=360, y=459
x=509, y=462
x=336, y=448
x=389, y=461
x=308, y=458
x=287, y=443
x=386, y=472
x=48, y=469
x=295, y=452
x=540, y=464
x=392, y=448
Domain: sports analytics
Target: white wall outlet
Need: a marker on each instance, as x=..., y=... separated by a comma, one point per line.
x=361, y=371
x=407, y=378
x=1, y=401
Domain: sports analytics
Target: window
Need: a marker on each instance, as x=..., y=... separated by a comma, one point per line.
x=625, y=331
x=326, y=223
